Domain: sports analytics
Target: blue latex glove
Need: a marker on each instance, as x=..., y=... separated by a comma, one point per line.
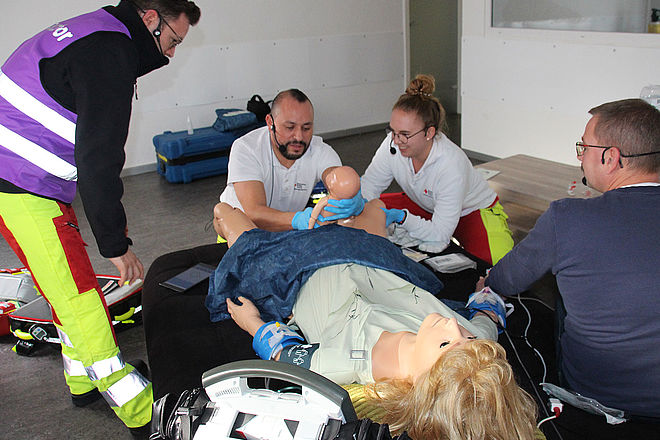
x=344, y=208
x=394, y=215
x=301, y=219
x=486, y=299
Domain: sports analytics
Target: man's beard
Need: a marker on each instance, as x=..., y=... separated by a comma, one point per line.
x=284, y=149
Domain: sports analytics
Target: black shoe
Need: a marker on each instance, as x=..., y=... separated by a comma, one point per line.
x=141, y=432
x=85, y=399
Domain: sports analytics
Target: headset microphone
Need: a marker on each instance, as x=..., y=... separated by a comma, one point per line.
x=392, y=150
x=281, y=147
x=584, y=181
x=156, y=33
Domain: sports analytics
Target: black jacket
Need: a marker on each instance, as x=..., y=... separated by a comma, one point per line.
x=94, y=77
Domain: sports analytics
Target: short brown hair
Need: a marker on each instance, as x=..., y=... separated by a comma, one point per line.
x=632, y=125
x=171, y=9
x=419, y=99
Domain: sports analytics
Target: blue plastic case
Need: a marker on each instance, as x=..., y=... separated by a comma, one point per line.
x=184, y=157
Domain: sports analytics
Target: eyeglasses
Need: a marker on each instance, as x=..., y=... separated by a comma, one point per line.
x=175, y=41
x=403, y=138
x=581, y=147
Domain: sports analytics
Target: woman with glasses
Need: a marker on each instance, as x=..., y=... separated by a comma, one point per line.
x=444, y=195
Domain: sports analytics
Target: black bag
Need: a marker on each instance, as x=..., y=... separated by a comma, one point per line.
x=260, y=108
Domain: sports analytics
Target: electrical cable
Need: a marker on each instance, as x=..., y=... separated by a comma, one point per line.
x=538, y=425
x=527, y=374
x=529, y=298
x=531, y=382
x=556, y=407
x=529, y=323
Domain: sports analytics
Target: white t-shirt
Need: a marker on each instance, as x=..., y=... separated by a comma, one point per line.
x=447, y=185
x=346, y=307
x=287, y=189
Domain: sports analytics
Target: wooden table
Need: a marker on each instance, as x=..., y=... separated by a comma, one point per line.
x=526, y=186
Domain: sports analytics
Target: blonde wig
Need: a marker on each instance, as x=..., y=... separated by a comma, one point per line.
x=470, y=393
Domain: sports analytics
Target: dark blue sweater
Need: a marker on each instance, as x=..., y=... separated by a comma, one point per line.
x=605, y=253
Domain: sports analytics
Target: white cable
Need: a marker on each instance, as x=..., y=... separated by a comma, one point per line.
x=532, y=383
x=538, y=425
x=529, y=323
x=528, y=298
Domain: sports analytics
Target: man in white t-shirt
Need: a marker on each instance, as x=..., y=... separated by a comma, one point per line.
x=273, y=169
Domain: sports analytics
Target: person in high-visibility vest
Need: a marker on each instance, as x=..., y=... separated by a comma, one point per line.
x=65, y=104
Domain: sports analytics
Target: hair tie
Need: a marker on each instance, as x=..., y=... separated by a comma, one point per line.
x=420, y=93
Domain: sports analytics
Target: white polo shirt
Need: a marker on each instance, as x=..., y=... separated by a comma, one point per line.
x=287, y=189
x=447, y=186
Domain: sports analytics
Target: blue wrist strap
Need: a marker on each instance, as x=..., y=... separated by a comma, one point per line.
x=486, y=299
x=272, y=337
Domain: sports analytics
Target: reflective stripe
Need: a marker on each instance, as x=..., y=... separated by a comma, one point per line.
x=102, y=369
x=64, y=338
x=37, y=155
x=73, y=367
x=37, y=110
x=126, y=389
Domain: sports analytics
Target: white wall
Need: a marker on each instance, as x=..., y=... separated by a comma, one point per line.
x=348, y=56
x=527, y=91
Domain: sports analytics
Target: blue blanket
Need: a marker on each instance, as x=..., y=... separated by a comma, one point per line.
x=269, y=268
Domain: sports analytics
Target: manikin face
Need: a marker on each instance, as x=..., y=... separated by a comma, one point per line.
x=410, y=124
x=435, y=336
x=292, y=125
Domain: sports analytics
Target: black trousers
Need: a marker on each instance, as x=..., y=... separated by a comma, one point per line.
x=182, y=342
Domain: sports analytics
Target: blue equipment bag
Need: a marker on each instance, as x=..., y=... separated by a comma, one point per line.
x=184, y=157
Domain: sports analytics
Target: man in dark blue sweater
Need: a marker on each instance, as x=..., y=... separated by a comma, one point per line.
x=605, y=254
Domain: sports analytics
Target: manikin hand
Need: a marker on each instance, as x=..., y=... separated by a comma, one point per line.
x=246, y=315
x=480, y=284
x=129, y=266
x=300, y=221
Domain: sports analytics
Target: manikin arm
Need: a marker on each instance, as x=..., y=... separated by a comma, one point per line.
x=318, y=209
x=230, y=222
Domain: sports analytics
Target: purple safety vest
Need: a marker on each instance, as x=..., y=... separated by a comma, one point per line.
x=37, y=135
